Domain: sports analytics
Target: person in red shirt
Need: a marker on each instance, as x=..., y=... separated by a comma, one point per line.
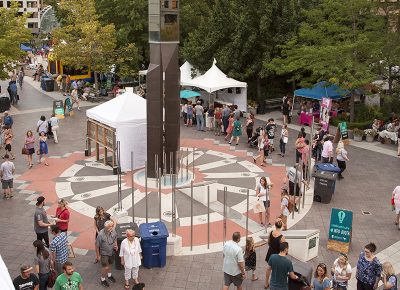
x=62, y=215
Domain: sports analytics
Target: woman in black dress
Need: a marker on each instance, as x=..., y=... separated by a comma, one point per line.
x=275, y=238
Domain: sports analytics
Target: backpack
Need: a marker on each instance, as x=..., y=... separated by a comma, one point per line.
x=291, y=203
x=8, y=121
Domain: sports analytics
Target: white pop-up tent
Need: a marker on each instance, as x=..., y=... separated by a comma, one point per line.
x=127, y=114
x=215, y=80
x=5, y=279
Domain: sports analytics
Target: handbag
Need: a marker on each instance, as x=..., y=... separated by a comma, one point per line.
x=285, y=139
x=24, y=151
x=52, y=279
x=258, y=206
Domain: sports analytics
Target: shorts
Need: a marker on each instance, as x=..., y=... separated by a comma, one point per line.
x=106, y=260
x=190, y=116
x=236, y=280
x=131, y=273
x=8, y=147
x=7, y=183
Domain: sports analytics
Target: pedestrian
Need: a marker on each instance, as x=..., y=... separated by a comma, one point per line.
x=59, y=82
x=42, y=262
x=217, y=121
x=236, y=113
x=341, y=272
x=237, y=131
x=275, y=238
x=295, y=178
x=75, y=98
x=99, y=220
x=27, y=280
x=42, y=125
x=321, y=280
x=20, y=77
x=69, y=279
x=368, y=269
x=303, y=132
x=285, y=199
x=13, y=91
x=389, y=278
x=62, y=215
x=189, y=122
x=263, y=148
x=299, y=146
x=7, y=171
x=29, y=147
x=396, y=205
x=341, y=158
x=327, y=150
x=290, y=107
x=270, y=128
x=262, y=193
x=230, y=127
x=199, y=110
x=106, y=244
x=43, y=149
x=226, y=112
x=210, y=117
x=305, y=154
x=283, y=140
x=184, y=112
x=8, y=120
x=250, y=257
x=130, y=254
x=68, y=83
x=317, y=143
x=41, y=222
x=8, y=139
x=249, y=126
x=58, y=248
x=54, y=127
x=233, y=265
x=279, y=268
x=285, y=110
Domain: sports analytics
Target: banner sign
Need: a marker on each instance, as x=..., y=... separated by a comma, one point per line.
x=324, y=114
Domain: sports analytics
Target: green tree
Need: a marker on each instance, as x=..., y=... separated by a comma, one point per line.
x=338, y=42
x=12, y=33
x=241, y=37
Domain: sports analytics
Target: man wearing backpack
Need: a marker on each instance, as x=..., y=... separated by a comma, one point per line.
x=8, y=120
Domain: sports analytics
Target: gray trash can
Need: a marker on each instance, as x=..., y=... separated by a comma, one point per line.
x=324, y=186
x=302, y=270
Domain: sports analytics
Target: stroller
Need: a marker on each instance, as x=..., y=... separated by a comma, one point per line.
x=253, y=141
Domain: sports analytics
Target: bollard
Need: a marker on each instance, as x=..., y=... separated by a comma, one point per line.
x=191, y=215
x=224, y=223
x=247, y=213
x=145, y=190
x=187, y=164
x=193, y=164
x=173, y=206
x=295, y=187
x=208, y=217
x=159, y=195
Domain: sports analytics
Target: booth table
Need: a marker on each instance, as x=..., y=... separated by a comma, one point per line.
x=306, y=118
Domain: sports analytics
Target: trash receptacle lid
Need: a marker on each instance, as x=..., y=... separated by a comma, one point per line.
x=327, y=167
x=153, y=230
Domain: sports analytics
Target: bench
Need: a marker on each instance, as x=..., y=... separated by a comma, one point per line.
x=272, y=104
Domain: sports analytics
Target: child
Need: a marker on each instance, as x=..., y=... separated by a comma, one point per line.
x=250, y=257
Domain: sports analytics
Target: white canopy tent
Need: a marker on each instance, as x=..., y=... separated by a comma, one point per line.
x=5, y=279
x=214, y=80
x=187, y=71
x=127, y=114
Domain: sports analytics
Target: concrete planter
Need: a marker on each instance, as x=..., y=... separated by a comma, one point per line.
x=357, y=138
x=369, y=138
x=350, y=134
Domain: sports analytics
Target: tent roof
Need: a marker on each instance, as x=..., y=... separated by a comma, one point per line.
x=321, y=90
x=214, y=79
x=186, y=73
x=24, y=47
x=124, y=110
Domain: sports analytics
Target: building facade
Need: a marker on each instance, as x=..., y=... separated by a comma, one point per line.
x=32, y=8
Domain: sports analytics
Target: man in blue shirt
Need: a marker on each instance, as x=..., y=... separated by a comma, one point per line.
x=59, y=248
x=280, y=267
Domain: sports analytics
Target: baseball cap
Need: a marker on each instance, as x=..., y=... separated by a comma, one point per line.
x=39, y=200
x=25, y=268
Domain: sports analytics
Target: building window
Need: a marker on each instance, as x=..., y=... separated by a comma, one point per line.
x=32, y=25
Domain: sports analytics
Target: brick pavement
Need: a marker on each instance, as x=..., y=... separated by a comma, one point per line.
x=369, y=180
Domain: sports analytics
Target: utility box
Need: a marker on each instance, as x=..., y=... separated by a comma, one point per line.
x=303, y=244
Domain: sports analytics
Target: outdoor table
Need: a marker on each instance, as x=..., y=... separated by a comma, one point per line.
x=305, y=118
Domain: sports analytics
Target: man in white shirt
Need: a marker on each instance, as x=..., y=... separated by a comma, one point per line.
x=233, y=263
x=199, y=116
x=7, y=170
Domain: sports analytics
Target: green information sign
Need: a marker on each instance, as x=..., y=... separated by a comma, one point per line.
x=58, y=108
x=343, y=130
x=341, y=225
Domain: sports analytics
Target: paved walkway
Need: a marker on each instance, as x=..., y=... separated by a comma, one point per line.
x=369, y=180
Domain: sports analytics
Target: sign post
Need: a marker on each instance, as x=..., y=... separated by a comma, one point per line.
x=58, y=109
x=344, y=133
x=340, y=230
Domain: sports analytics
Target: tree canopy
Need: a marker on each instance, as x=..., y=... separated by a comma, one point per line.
x=12, y=33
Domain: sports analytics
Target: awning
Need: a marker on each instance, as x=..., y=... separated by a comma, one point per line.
x=322, y=90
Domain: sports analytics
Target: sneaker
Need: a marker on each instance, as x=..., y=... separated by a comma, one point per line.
x=112, y=279
x=105, y=283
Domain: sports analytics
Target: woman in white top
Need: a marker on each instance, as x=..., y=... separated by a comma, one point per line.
x=54, y=127
x=284, y=139
x=130, y=253
x=262, y=192
x=341, y=272
x=284, y=208
x=341, y=158
x=396, y=200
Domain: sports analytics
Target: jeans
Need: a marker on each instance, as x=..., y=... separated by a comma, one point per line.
x=43, y=236
x=282, y=146
x=43, y=281
x=200, y=122
x=225, y=123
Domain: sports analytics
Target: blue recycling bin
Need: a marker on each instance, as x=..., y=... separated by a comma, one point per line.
x=327, y=167
x=154, y=244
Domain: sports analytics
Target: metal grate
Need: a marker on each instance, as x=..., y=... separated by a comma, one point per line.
x=366, y=212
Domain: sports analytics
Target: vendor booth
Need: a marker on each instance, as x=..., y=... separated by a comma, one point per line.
x=318, y=92
x=227, y=90
x=120, y=119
